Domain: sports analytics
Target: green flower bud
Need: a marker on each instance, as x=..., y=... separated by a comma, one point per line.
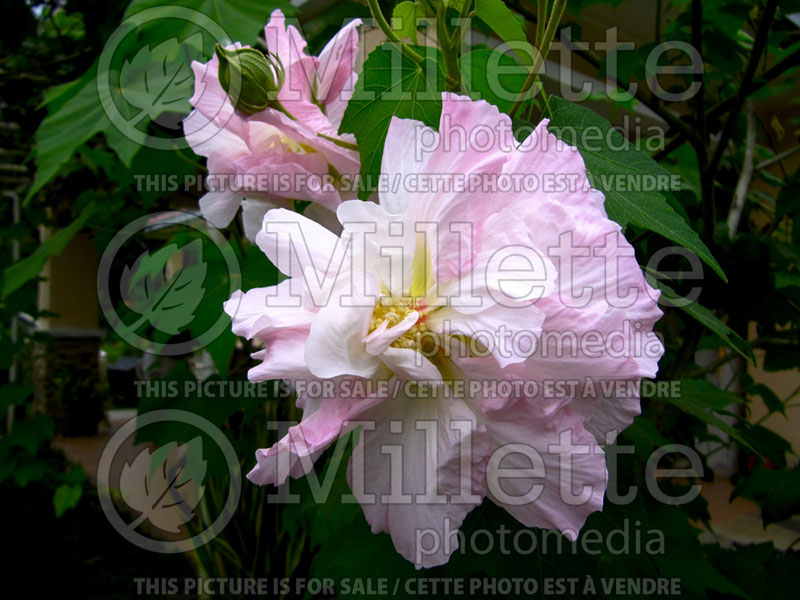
x=250, y=79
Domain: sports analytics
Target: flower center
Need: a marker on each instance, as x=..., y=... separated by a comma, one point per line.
x=393, y=311
x=291, y=145
x=264, y=138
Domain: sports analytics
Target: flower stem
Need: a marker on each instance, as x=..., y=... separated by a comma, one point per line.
x=449, y=49
x=541, y=16
x=278, y=106
x=338, y=142
x=391, y=35
x=547, y=38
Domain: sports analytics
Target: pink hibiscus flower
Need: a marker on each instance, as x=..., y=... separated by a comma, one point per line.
x=269, y=158
x=470, y=302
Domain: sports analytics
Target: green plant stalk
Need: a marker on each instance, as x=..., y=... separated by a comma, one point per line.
x=391, y=35
x=465, y=10
x=338, y=142
x=455, y=44
x=449, y=51
x=463, y=15
x=278, y=106
x=541, y=15
x=549, y=34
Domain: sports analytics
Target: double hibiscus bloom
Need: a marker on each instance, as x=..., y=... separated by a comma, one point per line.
x=478, y=298
x=245, y=152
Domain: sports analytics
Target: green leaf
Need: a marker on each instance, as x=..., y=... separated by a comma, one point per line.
x=14, y=393
x=75, y=112
x=28, y=268
x=257, y=269
x=706, y=394
x=780, y=356
x=776, y=492
x=493, y=76
x=701, y=314
x=770, y=398
x=76, y=475
x=8, y=465
x=758, y=569
x=610, y=159
x=785, y=279
x=704, y=400
x=390, y=85
x=221, y=349
x=404, y=20
x=242, y=20
x=164, y=297
x=771, y=446
x=30, y=433
x=160, y=79
x=644, y=435
x=75, y=116
x=30, y=468
x=66, y=497
x=686, y=560
x=505, y=24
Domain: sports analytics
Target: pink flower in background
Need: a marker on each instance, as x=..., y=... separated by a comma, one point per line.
x=422, y=291
x=269, y=158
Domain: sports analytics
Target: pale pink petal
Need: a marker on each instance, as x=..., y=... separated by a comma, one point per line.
x=411, y=365
x=542, y=153
x=388, y=239
x=414, y=155
x=288, y=43
x=599, y=327
x=289, y=176
x=260, y=310
x=509, y=333
x=283, y=357
x=253, y=211
x=336, y=62
x=323, y=216
x=205, y=137
x=336, y=106
x=403, y=160
x=213, y=125
x=459, y=482
x=383, y=335
x=294, y=455
x=508, y=264
x=293, y=243
x=296, y=94
x=219, y=208
x=569, y=488
x=610, y=412
x=336, y=342
x=308, y=123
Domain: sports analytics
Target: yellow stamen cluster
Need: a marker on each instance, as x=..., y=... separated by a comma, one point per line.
x=291, y=145
x=394, y=310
